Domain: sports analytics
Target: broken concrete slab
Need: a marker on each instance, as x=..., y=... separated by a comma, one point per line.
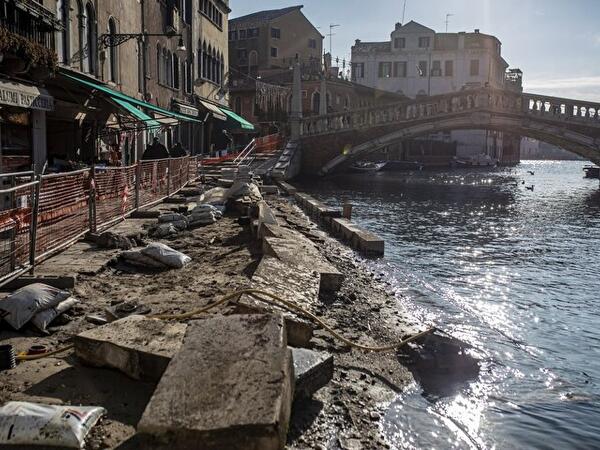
x=368, y=243
x=137, y=346
x=297, y=285
x=269, y=190
x=300, y=252
x=229, y=387
x=312, y=371
x=288, y=188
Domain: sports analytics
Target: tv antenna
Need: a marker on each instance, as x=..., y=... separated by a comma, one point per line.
x=403, y=12
x=448, y=20
x=331, y=34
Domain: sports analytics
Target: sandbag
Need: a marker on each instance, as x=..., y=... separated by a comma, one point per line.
x=214, y=196
x=19, y=307
x=42, y=319
x=172, y=217
x=163, y=230
x=136, y=258
x=24, y=423
x=166, y=255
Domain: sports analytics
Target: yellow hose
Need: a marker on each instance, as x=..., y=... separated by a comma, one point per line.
x=274, y=299
x=26, y=357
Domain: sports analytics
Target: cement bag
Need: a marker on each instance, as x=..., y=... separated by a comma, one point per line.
x=207, y=218
x=174, y=217
x=27, y=423
x=215, y=196
x=20, y=306
x=136, y=258
x=42, y=319
x=166, y=255
x=163, y=230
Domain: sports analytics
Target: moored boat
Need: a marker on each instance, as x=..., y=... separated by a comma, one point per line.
x=367, y=166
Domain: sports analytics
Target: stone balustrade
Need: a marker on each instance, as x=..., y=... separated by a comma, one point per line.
x=482, y=100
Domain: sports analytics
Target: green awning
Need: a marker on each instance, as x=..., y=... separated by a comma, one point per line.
x=133, y=101
x=243, y=122
x=137, y=113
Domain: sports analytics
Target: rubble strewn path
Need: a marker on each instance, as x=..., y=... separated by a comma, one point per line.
x=344, y=414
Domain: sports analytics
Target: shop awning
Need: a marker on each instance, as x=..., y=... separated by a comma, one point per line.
x=166, y=114
x=214, y=110
x=240, y=120
x=25, y=96
x=138, y=114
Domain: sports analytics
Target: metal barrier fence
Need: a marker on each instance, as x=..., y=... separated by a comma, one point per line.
x=40, y=217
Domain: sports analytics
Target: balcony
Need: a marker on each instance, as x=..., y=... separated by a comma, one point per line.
x=26, y=38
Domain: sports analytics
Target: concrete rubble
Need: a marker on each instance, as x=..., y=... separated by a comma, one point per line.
x=312, y=371
x=139, y=347
x=229, y=387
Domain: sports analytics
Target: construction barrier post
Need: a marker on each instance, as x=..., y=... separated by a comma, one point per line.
x=35, y=209
x=92, y=200
x=138, y=180
x=169, y=177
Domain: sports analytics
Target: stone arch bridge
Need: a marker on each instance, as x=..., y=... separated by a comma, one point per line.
x=330, y=142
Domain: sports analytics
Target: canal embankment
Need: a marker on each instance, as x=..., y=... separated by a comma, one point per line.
x=137, y=370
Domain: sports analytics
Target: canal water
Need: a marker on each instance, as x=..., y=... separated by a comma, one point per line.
x=512, y=270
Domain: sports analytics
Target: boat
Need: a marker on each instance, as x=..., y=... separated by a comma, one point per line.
x=480, y=160
x=367, y=166
x=403, y=165
x=592, y=172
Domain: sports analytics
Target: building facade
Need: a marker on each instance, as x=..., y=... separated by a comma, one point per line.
x=417, y=61
x=73, y=58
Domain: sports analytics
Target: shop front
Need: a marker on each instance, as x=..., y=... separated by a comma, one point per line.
x=23, y=111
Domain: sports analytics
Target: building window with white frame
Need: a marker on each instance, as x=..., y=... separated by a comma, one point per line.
x=424, y=42
x=276, y=33
x=385, y=69
x=358, y=70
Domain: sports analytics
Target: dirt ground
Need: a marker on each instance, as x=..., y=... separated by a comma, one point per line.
x=343, y=415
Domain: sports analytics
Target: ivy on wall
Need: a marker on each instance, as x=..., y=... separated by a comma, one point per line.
x=36, y=54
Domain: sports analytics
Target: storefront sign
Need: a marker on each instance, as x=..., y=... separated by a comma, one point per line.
x=30, y=98
x=184, y=109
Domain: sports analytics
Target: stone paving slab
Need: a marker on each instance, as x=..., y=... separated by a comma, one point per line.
x=312, y=371
x=135, y=345
x=294, y=284
x=229, y=387
x=303, y=254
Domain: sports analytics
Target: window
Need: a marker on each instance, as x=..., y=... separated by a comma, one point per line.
x=233, y=35
x=187, y=77
x=186, y=11
x=211, y=12
x=424, y=42
x=474, y=68
x=276, y=33
x=140, y=59
x=436, y=68
x=242, y=34
x=238, y=105
x=242, y=54
x=385, y=69
x=422, y=68
x=400, y=69
x=358, y=70
x=87, y=38
x=159, y=65
x=64, y=35
x=252, y=32
x=399, y=42
x=274, y=52
x=112, y=52
x=312, y=43
x=449, y=68
x=176, y=66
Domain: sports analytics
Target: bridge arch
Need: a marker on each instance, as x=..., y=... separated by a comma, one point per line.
x=343, y=137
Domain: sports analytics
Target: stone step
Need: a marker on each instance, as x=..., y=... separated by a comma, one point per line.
x=135, y=345
x=359, y=238
x=303, y=254
x=296, y=285
x=312, y=371
x=229, y=387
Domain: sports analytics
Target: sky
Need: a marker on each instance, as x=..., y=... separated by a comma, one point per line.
x=556, y=43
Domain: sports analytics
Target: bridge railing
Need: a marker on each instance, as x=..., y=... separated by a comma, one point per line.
x=485, y=100
x=557, y=108
x=412, y=110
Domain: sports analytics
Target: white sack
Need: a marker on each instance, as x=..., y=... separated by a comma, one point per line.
x=24, y=423
x=20, y=306
x=42, y=319
x=136, y=258
x=166, y=255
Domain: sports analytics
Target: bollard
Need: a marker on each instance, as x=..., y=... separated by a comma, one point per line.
x=347, y=211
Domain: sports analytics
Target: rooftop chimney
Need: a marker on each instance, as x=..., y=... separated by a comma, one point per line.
x=476, y=30
x=398, y=25
x=357, y=42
